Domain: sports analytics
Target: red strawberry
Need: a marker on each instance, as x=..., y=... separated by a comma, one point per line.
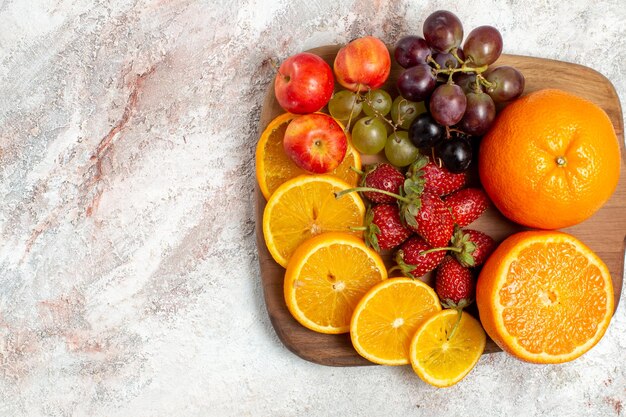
x=412, y=263
x=433, y=220
x=469, y=247
x=454, y=284
x=422, y=212
x=383, y=177
x=474, y=247
x=467, y=205
x=383, y=228
x=441, y=181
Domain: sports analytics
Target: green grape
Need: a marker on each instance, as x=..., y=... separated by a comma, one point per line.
x=399, y=150
x=377, y=102
x=343, y=103
x=388, y=125
x=403, y=111
x=369, y=135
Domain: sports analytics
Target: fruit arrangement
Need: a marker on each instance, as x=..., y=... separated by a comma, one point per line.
x=386, y=251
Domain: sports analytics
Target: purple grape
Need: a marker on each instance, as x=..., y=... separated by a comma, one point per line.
x=479, y=114
x=483, y=45
x=447, y=60
x=456, y=154
x=466, y=81
x=416, y=83
x=443, y=31
x=411, y=51
x=509, y=83
x=447, y=104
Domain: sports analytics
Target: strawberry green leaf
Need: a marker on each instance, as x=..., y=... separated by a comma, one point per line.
x=415, y=169
x=371, y=231
x=405, y=268
x=465, y=259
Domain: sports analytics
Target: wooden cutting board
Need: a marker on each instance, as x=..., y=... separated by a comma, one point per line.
x=605, y=232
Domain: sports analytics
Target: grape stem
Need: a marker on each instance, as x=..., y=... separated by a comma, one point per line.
x=456, y=55
x=464, y=68
x=484, y=81
x=401, y=114
x=436, y=159
x=365, y=98
x=432, y=61
x=358, y=89
x=451, y=129
x=476, y=85
x=378, y=114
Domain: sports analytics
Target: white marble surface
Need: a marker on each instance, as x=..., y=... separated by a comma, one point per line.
x=129, y=283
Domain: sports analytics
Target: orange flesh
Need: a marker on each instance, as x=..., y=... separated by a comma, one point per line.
x=547, y=286
x=332, y=282
x=388, y=320
x=275, y=157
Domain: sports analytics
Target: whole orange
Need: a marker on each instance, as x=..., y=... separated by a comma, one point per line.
x=551, y=160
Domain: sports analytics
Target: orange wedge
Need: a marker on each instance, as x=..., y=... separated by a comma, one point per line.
x=443, y=351
x=273, y=166
x=545, y=297
x=325, y=279
x=304, y=207
x=387, y=317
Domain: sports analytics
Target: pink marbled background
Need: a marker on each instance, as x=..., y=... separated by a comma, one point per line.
x=129, y=284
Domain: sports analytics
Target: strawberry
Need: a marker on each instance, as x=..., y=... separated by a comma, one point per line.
x=423, y=212
x=441, y=181
x=469, y=247
x=454, y=284
x=433, y=221
x=383, y=228
x=474, y=247
x=467, y=205
x=436, y=179
x=382, y=177
x=410, y=260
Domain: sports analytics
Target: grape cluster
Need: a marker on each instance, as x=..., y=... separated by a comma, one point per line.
x=460, y=86
x=447, y=95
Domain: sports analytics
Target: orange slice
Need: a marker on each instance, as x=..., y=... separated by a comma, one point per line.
x=545, y=297
x=441, y=354
x=326, y=277
x=386, y=318
x=304, y=207
x=274, y=167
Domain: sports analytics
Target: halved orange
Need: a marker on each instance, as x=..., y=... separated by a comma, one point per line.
x=304, y=207
x=443, y=351
x=326, y=277
x=274, y=167
x=545, y=297
x=386, y=318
